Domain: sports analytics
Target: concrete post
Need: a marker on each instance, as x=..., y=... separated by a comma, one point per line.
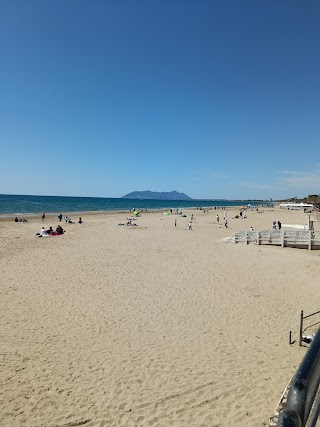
x=310, y=241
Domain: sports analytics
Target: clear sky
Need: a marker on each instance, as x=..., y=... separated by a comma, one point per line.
x=217, y=99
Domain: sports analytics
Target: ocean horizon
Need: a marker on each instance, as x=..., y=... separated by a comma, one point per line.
x=12, y=204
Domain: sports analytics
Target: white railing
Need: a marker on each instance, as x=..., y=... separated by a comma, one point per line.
x=295, y=238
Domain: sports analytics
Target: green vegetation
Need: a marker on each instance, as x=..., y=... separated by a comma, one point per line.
x=312, y=198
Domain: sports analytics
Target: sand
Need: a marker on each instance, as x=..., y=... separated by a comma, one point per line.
x=149, y=326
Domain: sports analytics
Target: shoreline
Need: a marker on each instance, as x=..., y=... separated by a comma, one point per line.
x=35, y=205
x=10, y=217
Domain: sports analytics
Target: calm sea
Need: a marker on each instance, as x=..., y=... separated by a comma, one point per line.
x=14, y=204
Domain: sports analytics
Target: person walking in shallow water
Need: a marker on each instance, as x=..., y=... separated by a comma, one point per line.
x=43, y=216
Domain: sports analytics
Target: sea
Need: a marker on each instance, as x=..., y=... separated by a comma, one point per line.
x=27, y=204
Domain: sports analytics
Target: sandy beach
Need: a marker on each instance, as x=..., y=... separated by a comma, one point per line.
x=152, y=325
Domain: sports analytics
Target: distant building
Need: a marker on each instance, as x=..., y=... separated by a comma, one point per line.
x=296, y=206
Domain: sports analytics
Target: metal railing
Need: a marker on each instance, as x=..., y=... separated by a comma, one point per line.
x=302, y=318
x=303, y=402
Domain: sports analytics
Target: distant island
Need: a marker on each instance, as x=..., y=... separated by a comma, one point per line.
x=155, y=195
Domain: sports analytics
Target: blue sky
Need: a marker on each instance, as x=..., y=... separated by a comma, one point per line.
x=217, y=99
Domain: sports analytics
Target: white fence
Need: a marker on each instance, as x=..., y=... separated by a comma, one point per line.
x=294, y=238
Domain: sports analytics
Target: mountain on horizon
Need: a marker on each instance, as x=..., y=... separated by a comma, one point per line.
x=156, y=195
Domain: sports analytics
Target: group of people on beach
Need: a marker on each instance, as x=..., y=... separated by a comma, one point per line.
x=69, y=220
x=130, y=222
x=19, y=220
x=59, y=230
x=225, y=220
x=50, y=232
x=275, y=224
x=189, y=224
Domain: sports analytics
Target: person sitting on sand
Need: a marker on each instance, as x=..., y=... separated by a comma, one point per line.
x=16, y=219
x=70, y=221
x=49, y=231
x=59, y=230
x=80, y=220
x=43, y=232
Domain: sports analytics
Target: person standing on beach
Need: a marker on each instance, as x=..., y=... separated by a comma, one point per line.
x=175, y=223
x=43, y=216
x=190, y=225
x=218, y=219
x=60, y=217
x=279, y=225
x=226, y=222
